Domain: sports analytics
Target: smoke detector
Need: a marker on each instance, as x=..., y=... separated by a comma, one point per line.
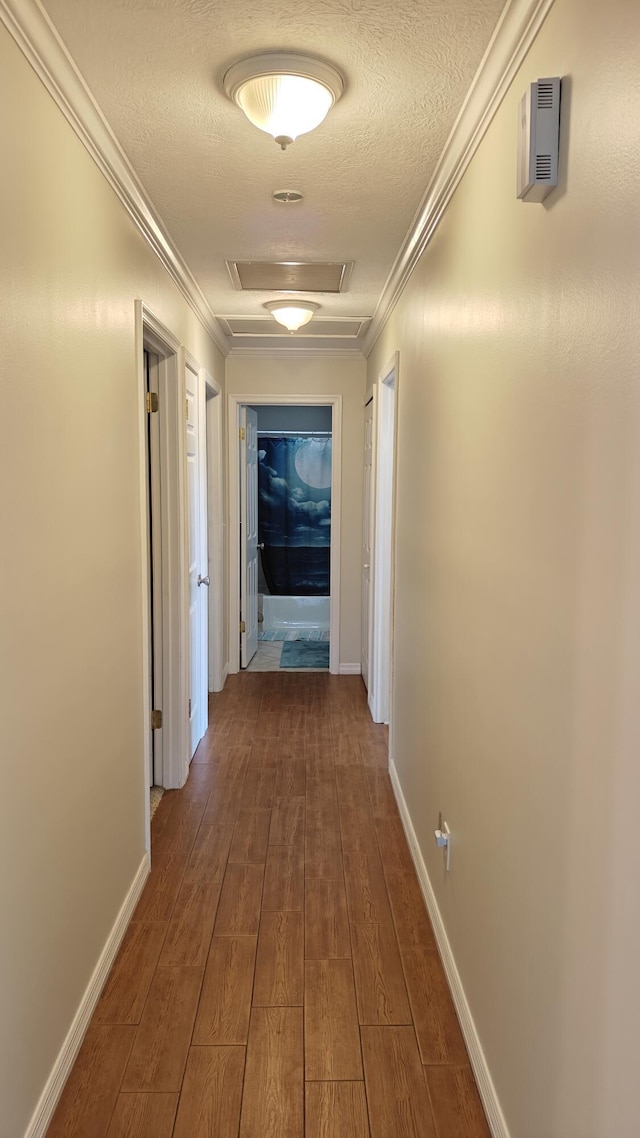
x=287, y=197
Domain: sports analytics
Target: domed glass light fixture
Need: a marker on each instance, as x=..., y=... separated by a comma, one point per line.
x=283, y=93
x=292, y=314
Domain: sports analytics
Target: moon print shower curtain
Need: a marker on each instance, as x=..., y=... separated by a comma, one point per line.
x=294, y=514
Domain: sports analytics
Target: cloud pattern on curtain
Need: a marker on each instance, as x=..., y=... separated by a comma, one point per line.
x=294, y=486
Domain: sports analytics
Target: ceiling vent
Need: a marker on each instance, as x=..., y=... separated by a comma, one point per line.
x=290, y=276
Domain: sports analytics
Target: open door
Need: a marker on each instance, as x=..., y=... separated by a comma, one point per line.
x=367, y=507
x=156, y=658
x=381, y=628
x=198, y=558
x=248, y=535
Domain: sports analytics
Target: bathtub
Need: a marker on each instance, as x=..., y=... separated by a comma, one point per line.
x=295, y=612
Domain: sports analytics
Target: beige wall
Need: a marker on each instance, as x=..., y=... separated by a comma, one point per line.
x=72, y=795
x=517, y=707
x=266, y=375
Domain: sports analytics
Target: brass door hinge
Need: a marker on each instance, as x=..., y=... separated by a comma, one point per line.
x=152, y=401
x=156, y=720
x=189, y=709
x=243, y=627
x=186, y=409
x=242, y=434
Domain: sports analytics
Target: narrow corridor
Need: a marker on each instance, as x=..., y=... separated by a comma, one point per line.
x=280, y=976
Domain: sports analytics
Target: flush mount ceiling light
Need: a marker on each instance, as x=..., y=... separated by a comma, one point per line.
x=293, y=314
x=283, y=93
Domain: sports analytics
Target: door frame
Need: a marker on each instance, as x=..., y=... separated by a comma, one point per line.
x=151, y=334
x=233, y=475
x=214, y=440
x=199, y=373
x=382, y=582
x=368, y=504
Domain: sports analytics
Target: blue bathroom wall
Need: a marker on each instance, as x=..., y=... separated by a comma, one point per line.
x=294, y=487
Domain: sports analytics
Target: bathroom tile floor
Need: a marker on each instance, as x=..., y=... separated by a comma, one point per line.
x=267, y=659
x=280, y=977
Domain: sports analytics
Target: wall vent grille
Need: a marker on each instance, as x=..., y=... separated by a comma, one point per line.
x=543, y=167
x=539, y=139
x=545, y=95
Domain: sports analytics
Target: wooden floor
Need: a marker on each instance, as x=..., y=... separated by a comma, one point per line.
x=279, y=977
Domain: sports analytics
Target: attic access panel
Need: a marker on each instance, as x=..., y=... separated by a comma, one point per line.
x=344, y=328
x=290, y=276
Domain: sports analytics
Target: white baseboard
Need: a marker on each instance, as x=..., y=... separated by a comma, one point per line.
x=225, y=673
x=490, y=1101
x=350, y=670
x=54, y=1086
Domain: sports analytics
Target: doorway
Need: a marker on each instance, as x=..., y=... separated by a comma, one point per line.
x=165, y=627
x=294, y=537
x=152, y=401
x=284, y=597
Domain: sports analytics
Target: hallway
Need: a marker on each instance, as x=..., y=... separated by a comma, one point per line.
x=280, y=976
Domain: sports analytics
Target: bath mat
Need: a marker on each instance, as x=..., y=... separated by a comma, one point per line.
x=304, y=654
x=156, y=795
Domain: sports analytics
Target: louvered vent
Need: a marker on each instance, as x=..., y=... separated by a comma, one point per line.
x=290, y=276
x=545, y=94
x=539, y=140
x=543, y=167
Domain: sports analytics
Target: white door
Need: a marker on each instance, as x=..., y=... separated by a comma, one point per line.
x=367, y=508
x=155, y=563
x=198, y=560
x=380, y=645
x=248, y=535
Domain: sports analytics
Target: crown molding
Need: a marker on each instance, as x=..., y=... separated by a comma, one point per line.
x=515, y=32
x=38, y=39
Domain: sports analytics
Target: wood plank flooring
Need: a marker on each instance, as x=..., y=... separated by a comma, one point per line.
x=279, y=978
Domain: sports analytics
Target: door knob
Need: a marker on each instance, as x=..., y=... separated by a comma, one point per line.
x=202, y=580
x=260, y=545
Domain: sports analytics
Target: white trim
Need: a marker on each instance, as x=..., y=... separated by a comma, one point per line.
x=515, y=32
x=225, y=673
x=214, y=413
x=488, y=1093
x=54, y=1085
x=145, y=551
x=38, y=39
x=152, y=333
x=350, y=670
x=233, y=492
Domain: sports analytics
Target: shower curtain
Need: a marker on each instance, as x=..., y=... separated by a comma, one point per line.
x=294, y=515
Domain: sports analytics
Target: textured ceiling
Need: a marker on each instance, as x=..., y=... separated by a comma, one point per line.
x=155, y=68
